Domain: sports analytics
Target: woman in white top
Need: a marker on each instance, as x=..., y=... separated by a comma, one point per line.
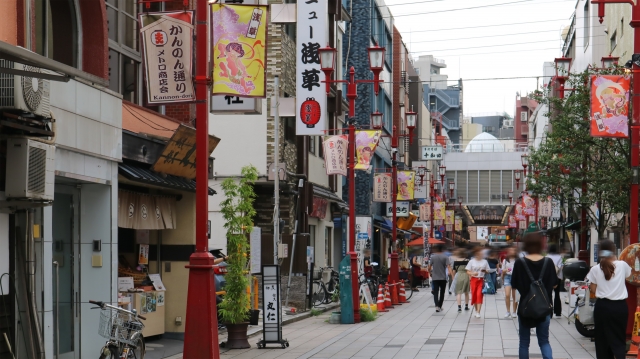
x=477, y=268
x=557, y=262
x=610, y=312
x=509, y=292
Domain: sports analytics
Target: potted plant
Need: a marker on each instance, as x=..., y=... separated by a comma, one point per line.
x=238, y=212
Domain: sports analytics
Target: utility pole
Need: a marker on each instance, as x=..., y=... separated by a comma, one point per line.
x=276, y=179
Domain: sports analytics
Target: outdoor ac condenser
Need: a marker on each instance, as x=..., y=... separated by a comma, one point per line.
x=30, y=170
x=24, y=93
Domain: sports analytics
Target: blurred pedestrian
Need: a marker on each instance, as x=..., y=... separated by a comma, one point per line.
x=557, y=263
x=494, y=265
x=438, y=269
x=461, y=278
x=607, y=281
x=477, y=268
x=509, y=292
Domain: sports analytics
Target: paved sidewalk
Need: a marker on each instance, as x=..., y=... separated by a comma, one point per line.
x=415, y=330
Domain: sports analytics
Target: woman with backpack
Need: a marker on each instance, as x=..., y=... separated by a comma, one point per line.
x=610, y=313
x=534, y=277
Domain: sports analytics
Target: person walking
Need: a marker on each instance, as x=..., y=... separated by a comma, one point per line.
x=509, y=292
x=521, y=281
x=477, y=268
x=610, y=312
x=494, y=265
x=416, y=273
x=438, y=269
x=557, y=263
x=461, y=280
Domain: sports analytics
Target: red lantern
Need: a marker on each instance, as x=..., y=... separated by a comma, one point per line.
x=310, y=112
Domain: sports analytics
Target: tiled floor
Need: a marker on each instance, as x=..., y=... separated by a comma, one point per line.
x=415, y=330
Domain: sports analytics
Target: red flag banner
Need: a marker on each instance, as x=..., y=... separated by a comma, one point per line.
x=610, y=106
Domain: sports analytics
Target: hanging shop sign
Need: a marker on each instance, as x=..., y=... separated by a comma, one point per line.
x=406, y=183
x=319, y=208
x=448, y=227
x=555, y=209
x=178, y=157
x=402, y=209
x=311, y=98
x=545, y=206
x=143, y=211
x=366, y=143
x=512, y=222
x=382, y=183
x=425, y=212
x=522, y=224
x=420, y=186
x=610, y=106
x=438, y=210
x=335, y=155
x=432, y=153
x=449, y=217
x=228, y=104
x=239, y=36
x=167, y=47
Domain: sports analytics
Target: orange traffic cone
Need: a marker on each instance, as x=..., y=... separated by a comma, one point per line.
x=394, y=294
x=403, y=295
x=381, y=306
x=387, y=298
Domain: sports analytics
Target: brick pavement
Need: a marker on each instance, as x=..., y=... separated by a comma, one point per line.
x=415, y=330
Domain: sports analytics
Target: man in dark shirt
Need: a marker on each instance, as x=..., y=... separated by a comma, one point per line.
x=438, y=272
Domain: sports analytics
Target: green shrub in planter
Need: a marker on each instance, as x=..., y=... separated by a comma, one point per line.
x=367, y=315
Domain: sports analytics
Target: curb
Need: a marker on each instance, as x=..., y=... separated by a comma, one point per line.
x=295, y=318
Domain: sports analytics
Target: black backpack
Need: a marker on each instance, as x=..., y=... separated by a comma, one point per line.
x=536, y=305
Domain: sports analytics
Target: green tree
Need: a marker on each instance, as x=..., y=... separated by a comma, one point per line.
x=238, y=212
x=569, y=158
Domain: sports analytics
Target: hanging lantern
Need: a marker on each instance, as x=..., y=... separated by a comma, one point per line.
x=310, y=112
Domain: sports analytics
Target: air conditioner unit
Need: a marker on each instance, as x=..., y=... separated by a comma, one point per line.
x=31, y=165
x=24, y=93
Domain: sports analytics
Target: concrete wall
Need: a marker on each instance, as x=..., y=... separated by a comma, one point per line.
x=617, y=19
x=483, y=161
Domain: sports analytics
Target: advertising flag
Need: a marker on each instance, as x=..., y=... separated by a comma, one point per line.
x=366, y=143
x=610, y=106
x=406, y=183
x=335, y=155
x=449, y=217
x=167, y=47
x=425, y=212
x=382, y=184
x=512, y=222
x=239, y=51
x=458, y=224
x=545, y=206
x=438, y=210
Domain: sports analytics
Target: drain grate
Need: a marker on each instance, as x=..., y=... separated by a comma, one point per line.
x=435, y=341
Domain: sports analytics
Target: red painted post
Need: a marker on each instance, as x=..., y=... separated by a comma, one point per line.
x=393, y=270
x=201, y=330
x=352, y=220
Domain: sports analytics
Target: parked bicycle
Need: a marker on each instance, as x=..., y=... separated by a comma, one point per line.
x=123, y=331
x=323, y=293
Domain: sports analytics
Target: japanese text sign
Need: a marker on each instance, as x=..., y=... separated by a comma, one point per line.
x=425, y=212
x=402, y=209
x=545, y=207
x=239, y=51
x=432, y=153
x=382, y=183
x=610, y=106
x=167, y=43
x=406, y=183
x=335, y=155
x=366, y=143
x=438, y=210
x=311, y=96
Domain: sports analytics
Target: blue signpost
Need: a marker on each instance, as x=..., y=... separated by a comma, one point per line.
x=346, y=297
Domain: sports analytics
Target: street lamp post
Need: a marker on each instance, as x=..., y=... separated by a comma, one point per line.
x=327, y=65
x=563, y=66
x=510, y=197
x=525, y=162
x=517, y=175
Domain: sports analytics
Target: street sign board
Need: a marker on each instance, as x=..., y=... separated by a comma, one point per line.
x=235, y=104
x=432, y=153
x=402, y=209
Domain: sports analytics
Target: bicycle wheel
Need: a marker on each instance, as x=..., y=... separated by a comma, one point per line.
x=408, y=291
x=319, y=293
x=373, y=289
x=139, y=351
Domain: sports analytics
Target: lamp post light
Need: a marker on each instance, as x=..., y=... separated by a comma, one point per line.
x=517, y=175
x=525, y=163
x=609, y=61
x=421, y=172
x=442, y=172
x=460, y=202
x=376, y=62
x=510, y=197
x=452, y=187
x=563, y=68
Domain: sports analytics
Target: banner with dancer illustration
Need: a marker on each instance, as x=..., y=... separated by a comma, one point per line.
x=239, y=51
x=406, y=183
x=335, y=155
x=438, y=211
x=512, y=222
x=458, y=224
x=449, y=217
x=610, y=106
x=167, y=47
x=366, y=143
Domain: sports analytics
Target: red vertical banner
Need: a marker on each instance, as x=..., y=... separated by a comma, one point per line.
x=610, y=106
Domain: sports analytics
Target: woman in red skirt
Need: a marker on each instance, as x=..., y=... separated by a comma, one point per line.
x=476, y=268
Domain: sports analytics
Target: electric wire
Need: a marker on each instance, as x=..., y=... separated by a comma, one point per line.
x=148, y=119
x=147, y=123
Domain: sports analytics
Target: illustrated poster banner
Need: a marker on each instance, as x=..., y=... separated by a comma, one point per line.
x=239, y=56
x=610, y=106
x=335, y=155
x=382, y=183
x=449, y=217
x=366, y=143
x=406, y=182
x=512, y=222
x=438, y=211
x=458, y=224
x=311, y=96
x=167, y=46
x=529, y=205
x=520, y=216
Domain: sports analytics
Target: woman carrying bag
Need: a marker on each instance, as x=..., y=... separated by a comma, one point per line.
x=610, y=314
x=477, y=268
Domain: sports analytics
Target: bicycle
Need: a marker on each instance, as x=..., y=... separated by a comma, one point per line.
x=123, y=332
x=323, y=293
x=319, y=293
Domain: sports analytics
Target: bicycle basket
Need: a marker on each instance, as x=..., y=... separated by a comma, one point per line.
x=118, y=326
x=317, y=274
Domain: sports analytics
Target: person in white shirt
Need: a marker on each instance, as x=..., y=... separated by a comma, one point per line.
x=557, y=262
x=509, y=292
x=610, y=314
x=477, y=268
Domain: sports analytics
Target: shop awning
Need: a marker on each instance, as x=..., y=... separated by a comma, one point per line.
x=140, y=174
x=382, y=223
x=573, y=226
x=419, y=242
x=328, y=194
